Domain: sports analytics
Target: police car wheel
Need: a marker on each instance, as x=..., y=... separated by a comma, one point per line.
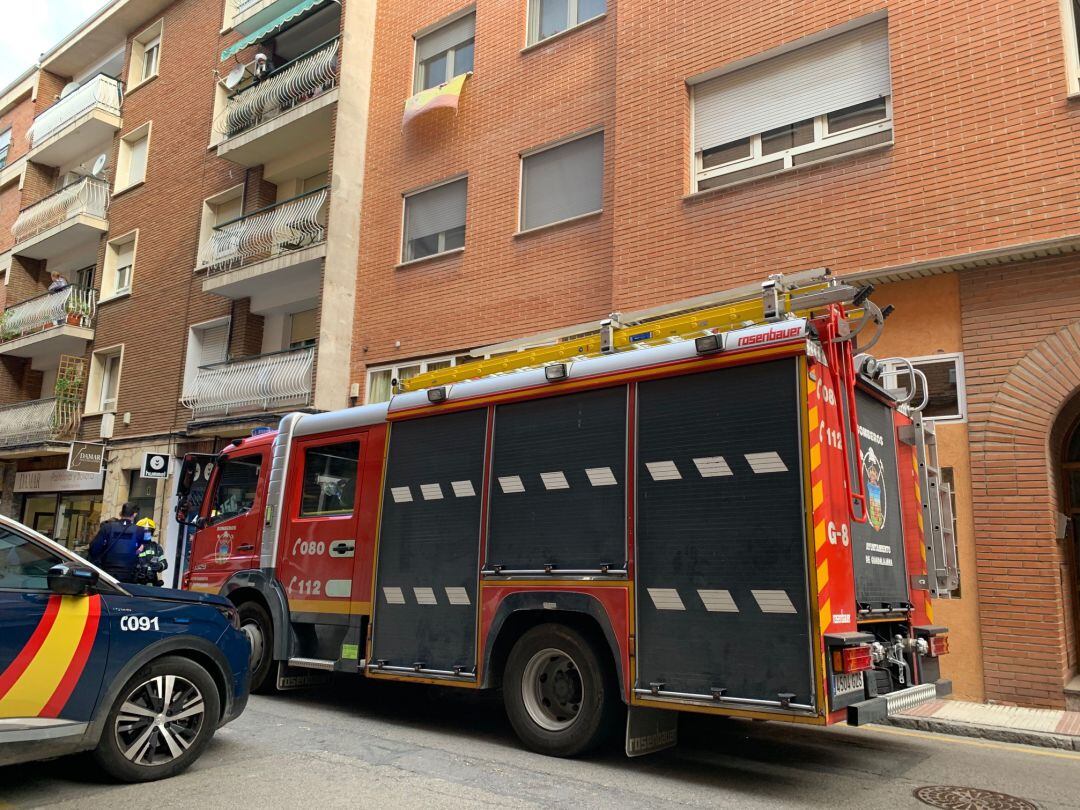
x=560, y=694
x=161, y=721
x=255, y=624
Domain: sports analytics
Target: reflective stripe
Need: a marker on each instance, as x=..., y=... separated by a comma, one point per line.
x=663, y=470
x=766, y=462
x=774, y=601
x=666, y=599
x=554, y=480
x=718, y=601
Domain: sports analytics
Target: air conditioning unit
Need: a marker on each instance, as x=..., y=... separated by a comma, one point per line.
x=108, y=421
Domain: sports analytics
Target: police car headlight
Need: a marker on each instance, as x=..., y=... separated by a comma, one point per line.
x=231, y=614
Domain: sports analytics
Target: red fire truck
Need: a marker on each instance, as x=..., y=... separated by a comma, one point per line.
x=715, y=508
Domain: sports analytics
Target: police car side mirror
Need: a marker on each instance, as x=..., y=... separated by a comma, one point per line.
x=72, y=579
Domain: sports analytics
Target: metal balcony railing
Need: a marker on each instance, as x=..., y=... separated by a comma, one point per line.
x=260, y=383
x=72, y=305
x=86, y=196
x=289, y=225
x=307, y=76
x=102, y=91
x=37, y=421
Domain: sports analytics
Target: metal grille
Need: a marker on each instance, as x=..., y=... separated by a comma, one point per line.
x=101, y=92
x=263, y=382
x=72, y=305
x=951, y=797
x=39, y=421
x=87, y=196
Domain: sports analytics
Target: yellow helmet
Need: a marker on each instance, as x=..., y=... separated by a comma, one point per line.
x=147, y=523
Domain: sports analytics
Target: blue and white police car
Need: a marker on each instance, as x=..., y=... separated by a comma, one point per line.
x=141, y=676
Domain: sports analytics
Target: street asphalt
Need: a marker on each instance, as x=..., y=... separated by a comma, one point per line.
x=359, y=744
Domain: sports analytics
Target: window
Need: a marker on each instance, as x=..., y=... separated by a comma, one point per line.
x=84, y=277
x=550, y=17
x=329, y=479
x=445, y=52
x=103, y=385
x=5, y=146
x=218, y=210
x=381, y=380
x=207, y=343
x=235, y=487
x=131, y=160
x=562, y=182
x=1070, y=18
x=145, y=55
x=945, y=380
x=814, y=102
x=302, y=329
x=24, y=565
x=435, y=220
x=119, y=265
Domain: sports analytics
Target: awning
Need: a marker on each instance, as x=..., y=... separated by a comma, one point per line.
x=299, y=10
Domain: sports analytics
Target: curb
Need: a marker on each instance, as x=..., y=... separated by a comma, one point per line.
x=996, y=733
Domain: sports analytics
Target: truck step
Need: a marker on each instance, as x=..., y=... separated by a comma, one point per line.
x=312, y=663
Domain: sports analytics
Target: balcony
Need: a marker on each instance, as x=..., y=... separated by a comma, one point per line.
x=281, y=246
x=260, y=384
x=67, y=221
x=290, y=107
x=26, y=426
x=88, y=115
x=43, y=328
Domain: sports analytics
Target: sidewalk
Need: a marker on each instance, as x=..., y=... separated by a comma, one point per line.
x=1044, y=727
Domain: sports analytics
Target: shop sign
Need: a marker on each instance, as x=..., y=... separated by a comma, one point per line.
x=57, y=481
x=84, y=457
x=155, y=465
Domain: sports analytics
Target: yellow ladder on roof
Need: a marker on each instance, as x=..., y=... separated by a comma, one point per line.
x=775, y=299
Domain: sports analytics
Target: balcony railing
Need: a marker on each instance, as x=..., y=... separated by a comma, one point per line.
x=261, y=383
x=86, y=196
x=102, y=92
x=74, y=306
x=307, y=76
x=289, y=225
x=38, y=421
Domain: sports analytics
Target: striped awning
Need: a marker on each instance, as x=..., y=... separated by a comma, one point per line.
x=296, y=12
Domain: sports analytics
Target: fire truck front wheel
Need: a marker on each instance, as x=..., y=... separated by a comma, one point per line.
x=560, y=697
x=256, y=625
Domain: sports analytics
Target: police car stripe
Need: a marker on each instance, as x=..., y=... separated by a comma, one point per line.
x=31, y=693
x=78, y=662
x=17, y=667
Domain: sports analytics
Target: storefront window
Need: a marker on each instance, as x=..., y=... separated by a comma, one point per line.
x=77, y=521
x=39, y=513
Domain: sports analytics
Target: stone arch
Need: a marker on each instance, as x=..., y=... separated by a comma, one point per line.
x=1022, y=597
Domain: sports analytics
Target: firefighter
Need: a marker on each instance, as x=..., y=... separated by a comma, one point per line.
x=151, y=556
x=116, y=545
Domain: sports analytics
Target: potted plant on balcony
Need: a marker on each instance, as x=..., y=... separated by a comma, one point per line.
x=78, y=313
x=6, y=332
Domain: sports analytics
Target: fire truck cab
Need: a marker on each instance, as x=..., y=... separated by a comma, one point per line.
x=721, y=511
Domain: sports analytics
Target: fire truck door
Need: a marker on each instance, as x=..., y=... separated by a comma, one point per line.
x=319, y=544
x=723, y=608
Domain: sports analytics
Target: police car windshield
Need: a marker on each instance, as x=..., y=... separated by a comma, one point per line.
x=235, y=487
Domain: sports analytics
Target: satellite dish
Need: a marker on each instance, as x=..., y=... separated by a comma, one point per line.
x=236, y=75
x=69, y=88
x=99, y=164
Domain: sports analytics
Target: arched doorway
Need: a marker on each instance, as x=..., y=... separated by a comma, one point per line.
x=1070, y=506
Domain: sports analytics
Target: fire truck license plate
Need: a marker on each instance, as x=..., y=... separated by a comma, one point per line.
x=847, y=682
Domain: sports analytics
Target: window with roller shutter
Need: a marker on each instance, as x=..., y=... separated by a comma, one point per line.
x=444, y=51
x=435, y=220
x=822, y=100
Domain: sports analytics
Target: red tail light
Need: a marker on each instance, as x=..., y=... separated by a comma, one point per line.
x=185, y=581
x=852, y=659
x=939, y=645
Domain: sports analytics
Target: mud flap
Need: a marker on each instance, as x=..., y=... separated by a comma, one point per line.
x=650, y=730
x=299, y=677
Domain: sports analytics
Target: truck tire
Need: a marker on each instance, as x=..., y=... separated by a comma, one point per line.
x=160, y=722
x=255, y=623
x=560, y=694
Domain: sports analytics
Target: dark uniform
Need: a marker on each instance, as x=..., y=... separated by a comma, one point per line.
x=116, y=548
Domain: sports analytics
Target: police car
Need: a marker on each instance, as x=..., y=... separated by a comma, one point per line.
x=141, y=676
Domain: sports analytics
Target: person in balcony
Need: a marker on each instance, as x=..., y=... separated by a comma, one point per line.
x=58, y=282
x=264, y=64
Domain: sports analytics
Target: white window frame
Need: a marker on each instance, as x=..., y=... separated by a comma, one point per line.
x=191, y=365
x=822, y=139
x=5, y=266
x=148, y=39
x=893, y=369
x=95, y=387
x=442, y=236
x=547, y=147
x=208, y=219
x=123, y=159
x=1070, y=30
x=394, y=368
x=451, y=53
x=572, y=21
x=110, y=286
x=6, y=148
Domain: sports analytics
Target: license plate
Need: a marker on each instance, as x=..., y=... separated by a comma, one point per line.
x=847, y=682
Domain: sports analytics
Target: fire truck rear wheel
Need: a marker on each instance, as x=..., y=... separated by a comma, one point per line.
x=256, y=625
x=560, y=695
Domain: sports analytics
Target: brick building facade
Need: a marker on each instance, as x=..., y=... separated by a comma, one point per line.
x=943, y=172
